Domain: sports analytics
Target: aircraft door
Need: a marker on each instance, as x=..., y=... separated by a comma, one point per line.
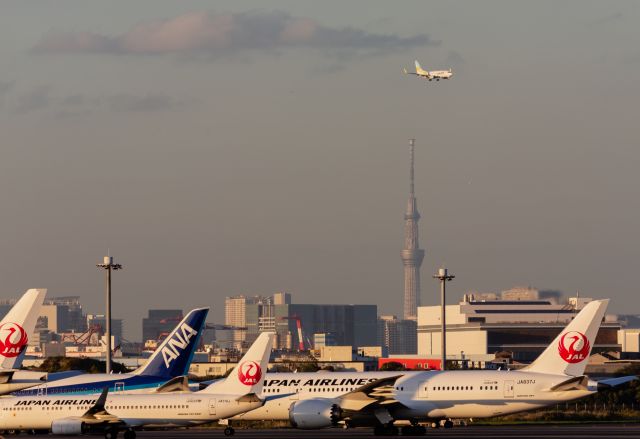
x=508, y=389
x=119, y=386
x=423, y=388
x=212, y=406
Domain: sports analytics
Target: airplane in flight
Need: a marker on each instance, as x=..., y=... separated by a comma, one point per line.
x=430, y=74
x=15, y=329
x=380, y=399
x=169, y=362
x=111, y=413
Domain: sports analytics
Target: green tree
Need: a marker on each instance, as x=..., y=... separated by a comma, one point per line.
x=393, y=366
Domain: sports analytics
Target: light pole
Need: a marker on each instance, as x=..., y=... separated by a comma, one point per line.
x=443, y=276
x=108, y=266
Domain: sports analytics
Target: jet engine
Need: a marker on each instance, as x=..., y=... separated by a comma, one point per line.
x=68, y=426
x=314, y=413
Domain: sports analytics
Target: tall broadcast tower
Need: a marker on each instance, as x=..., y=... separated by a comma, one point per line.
x=412, y=254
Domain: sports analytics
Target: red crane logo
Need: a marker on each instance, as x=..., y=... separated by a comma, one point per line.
x=249, y=373
x=13, y=339
x=574, y=347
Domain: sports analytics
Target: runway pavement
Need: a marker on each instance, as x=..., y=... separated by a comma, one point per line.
x=597, y=431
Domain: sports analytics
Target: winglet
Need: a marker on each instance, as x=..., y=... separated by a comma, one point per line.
x=98, y=407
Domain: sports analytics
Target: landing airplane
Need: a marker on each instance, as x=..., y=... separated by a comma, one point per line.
x=169, y=361
x=111, y=413
x=15, y=329
x=379, y=399
x=430, y=75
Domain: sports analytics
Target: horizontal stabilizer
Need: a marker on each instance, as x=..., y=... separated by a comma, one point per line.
x=575, y=383
x=177, y=384
x=614, y=382
x=249, y=397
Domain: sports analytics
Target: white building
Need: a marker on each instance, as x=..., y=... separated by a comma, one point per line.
x=523, y=327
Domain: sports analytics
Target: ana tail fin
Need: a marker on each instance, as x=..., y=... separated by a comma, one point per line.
x=173, y=357
x=248, y=376
x=569, y=353
x=17, y=326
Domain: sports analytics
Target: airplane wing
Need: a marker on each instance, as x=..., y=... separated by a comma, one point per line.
x=98, y=414
x=379, y=392
x=93, y=420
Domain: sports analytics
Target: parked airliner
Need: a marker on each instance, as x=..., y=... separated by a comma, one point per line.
x=380, y=399
x=170, y=360
x=15, y=329
x=430, y=75
x=110, y=413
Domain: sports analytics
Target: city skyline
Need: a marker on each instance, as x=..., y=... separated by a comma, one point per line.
x=252, y=148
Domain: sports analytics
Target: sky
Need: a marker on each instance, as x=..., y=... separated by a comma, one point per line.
x=240, y=147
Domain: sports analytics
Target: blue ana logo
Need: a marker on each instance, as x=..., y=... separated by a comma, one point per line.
x=177, y=343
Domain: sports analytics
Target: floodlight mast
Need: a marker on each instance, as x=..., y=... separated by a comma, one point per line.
x=443, y=276
x=108, y=266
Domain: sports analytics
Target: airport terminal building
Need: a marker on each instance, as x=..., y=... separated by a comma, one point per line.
x=478, y=327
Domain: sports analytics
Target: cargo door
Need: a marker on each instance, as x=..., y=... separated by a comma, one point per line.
x=508, y=389
x=212, y=406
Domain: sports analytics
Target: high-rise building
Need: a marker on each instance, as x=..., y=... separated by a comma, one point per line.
x=160, y=323
x=235, y=315
x=398, y=336
x=351, y=325
x=412, y=255
x=64, y=314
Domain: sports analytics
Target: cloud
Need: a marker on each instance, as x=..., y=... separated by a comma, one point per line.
x=607, y=19
x=223, y=34
x=5, y=89
x=150, y=102
x=35, y=99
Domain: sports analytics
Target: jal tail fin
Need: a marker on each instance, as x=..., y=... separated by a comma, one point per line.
x=248, y=376
x=569, y=353
x=173, y=357
x=17, y=326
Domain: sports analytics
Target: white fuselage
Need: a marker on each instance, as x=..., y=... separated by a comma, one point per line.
x=478, y=393
x=437, y=74
x=22, y=379
x=159, y=410
x=423, y=395
x=283, y=389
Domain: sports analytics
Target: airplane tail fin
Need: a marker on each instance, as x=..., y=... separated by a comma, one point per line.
x=419, y=68
x=17, y=326
x=248, y=376
x=569, y=353
x=173, y=357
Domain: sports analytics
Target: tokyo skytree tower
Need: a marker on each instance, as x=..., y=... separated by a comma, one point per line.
x=412, y=254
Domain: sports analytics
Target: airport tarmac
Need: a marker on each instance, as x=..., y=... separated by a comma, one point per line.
x=596, y=431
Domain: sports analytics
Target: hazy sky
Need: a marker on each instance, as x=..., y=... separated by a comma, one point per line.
x=220, y=148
